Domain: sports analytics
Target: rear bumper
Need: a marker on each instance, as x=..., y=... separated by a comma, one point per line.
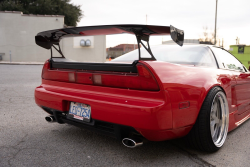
x=150, y=116
x=106, y=128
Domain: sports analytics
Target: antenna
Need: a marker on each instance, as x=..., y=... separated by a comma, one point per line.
x=146, y=20
x=215, y=23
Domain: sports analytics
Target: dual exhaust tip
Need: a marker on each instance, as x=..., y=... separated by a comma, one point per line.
x=128, y=142
x=132, y=143
x=50, y=119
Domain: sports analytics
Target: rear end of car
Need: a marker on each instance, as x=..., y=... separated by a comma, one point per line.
x=115, y=103
x=124, y=100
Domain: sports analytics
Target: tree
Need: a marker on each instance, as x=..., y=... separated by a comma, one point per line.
x=72, y=13
x=208, y=38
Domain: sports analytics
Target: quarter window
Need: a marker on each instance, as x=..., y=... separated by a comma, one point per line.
x=196, y=55
x=226, y=60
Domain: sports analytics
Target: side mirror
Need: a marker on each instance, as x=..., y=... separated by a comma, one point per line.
x=43, y=42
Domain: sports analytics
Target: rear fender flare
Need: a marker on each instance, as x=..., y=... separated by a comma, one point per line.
x=203, y=98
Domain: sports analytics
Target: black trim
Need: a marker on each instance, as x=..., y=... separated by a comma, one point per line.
x=48, y=110
x=215, y=58
x=58, y=50
x=139, y=41
x=95, y=66
x=106, y=131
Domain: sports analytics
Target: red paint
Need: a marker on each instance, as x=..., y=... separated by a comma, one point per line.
x=158, y=30
x=106, y=31
x=157, y=115
x=144, y=80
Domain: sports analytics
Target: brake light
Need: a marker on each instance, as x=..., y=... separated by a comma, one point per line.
x=142, y=80
x=46, y=66
x=57, y=75
x=147, y=79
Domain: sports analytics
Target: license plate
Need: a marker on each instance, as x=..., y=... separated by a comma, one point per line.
x=80, y=111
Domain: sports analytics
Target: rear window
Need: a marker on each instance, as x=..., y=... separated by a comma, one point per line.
x=191, y=55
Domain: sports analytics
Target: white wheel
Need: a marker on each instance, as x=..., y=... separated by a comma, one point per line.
x=209, y=133
x=219, y=119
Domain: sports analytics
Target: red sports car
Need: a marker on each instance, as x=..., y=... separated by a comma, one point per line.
x=195, y=90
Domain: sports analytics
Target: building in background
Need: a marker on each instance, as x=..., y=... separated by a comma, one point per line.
x=191, y=41
x=119, y=50
x=17, y=39
x=242, y=53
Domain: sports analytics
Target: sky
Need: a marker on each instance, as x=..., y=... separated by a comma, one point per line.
x=233, y=17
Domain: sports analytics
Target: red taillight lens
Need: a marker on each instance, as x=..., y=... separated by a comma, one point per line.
x=143, y=80
x=57, y=75
x=147, y=79
x=46, y=67
x=142, y=71
x=84, y=78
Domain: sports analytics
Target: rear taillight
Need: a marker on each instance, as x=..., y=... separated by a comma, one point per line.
x=142, y=80
x=46, y=67
x=57, y=75
x=147, y=79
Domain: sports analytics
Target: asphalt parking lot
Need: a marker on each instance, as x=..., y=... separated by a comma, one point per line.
x=26, y=139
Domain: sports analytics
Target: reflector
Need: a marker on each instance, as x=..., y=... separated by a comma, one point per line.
x=97, y=79
x=72, y=77
x=185, y=104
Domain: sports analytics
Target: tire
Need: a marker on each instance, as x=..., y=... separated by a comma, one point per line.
x=209, y=132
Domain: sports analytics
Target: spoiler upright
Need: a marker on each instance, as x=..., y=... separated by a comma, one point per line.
x=49, y=39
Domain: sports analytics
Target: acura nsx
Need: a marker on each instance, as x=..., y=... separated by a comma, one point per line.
x=155, y=93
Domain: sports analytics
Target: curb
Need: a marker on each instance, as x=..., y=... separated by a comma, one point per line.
x=21, y=63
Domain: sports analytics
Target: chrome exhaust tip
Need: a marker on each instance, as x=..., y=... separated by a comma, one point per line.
x=50, y=119
x=132, y=143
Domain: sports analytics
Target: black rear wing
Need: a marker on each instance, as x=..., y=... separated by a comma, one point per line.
x=49, y=39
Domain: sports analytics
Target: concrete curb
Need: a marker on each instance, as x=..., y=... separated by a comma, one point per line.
x=21, y=63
